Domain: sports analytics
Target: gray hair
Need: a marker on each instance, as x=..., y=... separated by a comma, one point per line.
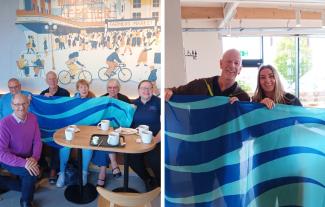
x=51, y=72
x=115, y=81
x=14, y=79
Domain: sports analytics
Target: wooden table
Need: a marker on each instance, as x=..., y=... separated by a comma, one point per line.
x=85, y=194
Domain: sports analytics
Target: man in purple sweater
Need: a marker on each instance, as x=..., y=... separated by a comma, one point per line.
x=20, y=149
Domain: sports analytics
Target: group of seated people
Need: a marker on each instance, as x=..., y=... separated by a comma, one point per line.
x=22, y=152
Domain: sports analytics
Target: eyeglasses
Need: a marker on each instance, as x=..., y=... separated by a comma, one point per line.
x=20, y=104
x=145, y=88
x=115, y=87
x=13, y=87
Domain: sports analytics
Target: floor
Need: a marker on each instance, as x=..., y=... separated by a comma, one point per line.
x=51, y=196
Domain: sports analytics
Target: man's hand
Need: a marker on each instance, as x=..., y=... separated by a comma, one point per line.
x=269, y=103
x=32, y=166
x=168, y=94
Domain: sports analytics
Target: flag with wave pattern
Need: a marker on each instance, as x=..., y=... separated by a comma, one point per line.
x=218, y=154
x=56, y=112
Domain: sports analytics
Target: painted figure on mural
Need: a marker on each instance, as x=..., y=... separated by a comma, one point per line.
x=22, y=64
x=153, y=79
x=112, y=61
x=38, y=65
x=143, y=56
x=45, y=46
x=73, y=64
x=29, y=45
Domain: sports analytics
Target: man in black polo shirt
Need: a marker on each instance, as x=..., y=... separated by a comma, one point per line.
x=53, y=90
x=223, y=85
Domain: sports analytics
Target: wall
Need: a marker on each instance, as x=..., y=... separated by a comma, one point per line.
x=208, y=47
x=181, y=68
x=12, y=41
x=175, y=73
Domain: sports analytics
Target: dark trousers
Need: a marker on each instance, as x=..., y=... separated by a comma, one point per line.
x=25, y=184
x=137, y=163
x=54, y=158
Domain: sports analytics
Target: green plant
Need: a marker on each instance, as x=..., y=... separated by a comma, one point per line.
x=245, y=86
x=285, y=59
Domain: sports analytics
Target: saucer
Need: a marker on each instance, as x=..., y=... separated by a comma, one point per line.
x=126, y=131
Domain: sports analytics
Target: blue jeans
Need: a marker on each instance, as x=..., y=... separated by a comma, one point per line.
x=25, y=184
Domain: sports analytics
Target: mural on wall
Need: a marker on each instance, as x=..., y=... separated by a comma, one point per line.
x=90, y=39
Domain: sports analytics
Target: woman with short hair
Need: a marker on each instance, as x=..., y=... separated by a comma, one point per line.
x=83, y=91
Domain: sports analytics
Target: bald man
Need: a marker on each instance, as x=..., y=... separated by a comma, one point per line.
x=223, y=85
x=20, y=149
x=14, y=87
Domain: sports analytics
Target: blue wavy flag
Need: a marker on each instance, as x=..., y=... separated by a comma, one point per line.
x=243, y=155
x=56, y=112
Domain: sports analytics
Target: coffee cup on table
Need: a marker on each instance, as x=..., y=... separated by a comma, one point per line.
x=113, y=139
x=142, y=128
x=103, y=125
x=69, y=133
x=73, y=127
x=146, y=137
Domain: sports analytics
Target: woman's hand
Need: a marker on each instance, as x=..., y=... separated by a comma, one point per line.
x=269, y=103
x=233, y=99
x=157, y=138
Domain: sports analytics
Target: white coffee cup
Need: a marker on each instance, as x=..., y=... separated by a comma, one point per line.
x=69, y=134
x=72, y=127
x=113, y=138
x=103, y=125
x=95, y=140
x=142, y=128
x=146, y=137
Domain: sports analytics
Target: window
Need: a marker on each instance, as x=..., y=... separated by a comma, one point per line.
x=136, y=3
x=155, y=3
x=136, y=15
x=312, y=76
x=155, y=15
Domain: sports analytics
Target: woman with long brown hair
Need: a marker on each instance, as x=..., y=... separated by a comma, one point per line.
x=269, y=90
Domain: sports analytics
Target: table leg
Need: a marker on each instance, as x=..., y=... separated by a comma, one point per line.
x=80, y=194
x=125, y=187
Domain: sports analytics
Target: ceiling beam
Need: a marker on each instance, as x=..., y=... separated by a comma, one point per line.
x=246, y=13
x=229, y=12
x=202, y=12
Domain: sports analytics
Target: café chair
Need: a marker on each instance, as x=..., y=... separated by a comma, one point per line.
x=118, y=199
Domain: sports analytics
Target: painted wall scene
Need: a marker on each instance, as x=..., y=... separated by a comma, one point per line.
x=90, y=39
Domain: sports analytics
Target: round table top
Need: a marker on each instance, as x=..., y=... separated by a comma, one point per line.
x=82, y=140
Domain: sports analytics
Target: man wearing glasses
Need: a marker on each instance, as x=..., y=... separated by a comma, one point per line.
x=5, y=101
x=20, y=159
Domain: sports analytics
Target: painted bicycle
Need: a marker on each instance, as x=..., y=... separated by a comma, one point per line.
x=65, y=76
x=124, y=74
